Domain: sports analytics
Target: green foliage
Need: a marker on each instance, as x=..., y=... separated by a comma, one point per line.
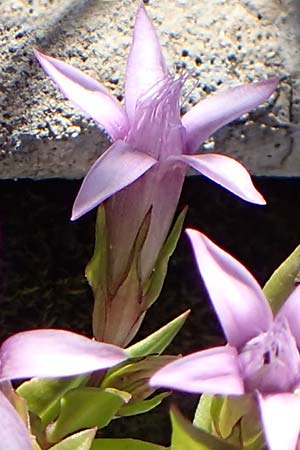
x=79, y=441
x=86, y=407
x=133, y=377
x=283, y=281
x=143, y=406
x=124, y=444
x=187, y=437
x=155, y=283
x=158, y=341
x=43, y=394
x=234, y=419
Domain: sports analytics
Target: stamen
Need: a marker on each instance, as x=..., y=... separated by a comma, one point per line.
x=270, y=362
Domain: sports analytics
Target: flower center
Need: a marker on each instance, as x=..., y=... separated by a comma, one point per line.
x=157, y=129
x=270, y=362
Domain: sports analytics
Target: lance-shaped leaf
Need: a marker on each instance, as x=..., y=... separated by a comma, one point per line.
x=186, y=436
x=86, y=407
x=124, y=444
x=158, y=341
x=282, y=282
x=143, y=406
x=79, y=441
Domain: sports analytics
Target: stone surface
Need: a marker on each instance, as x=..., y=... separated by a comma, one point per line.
x=221, y=42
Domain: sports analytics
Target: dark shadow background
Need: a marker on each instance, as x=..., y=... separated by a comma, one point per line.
x=43, y=256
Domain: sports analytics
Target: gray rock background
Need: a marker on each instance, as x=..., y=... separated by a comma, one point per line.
x=221, y=43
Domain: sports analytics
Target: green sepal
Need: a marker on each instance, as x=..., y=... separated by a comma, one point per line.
x=124, y=444
x=118, y=310
x=79, y=441
x=43, y=394
x=86, y=407
x=187, y=437
x=96, y=269
x=158, y=341
x=202, y=418
x=155, y=282
x=234, y=419
x=283, y=281
x=133, y=377
x=143, y=406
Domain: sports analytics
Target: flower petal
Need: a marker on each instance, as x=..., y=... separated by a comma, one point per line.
x=217, y=110
x=87, y=94
x=227, y=172
x=118, y=167
x=212, y=371
x=146, y=65
x=13, y=432
x=240, y=304
x=290, y=310
x=281, y=420
x=54, y=353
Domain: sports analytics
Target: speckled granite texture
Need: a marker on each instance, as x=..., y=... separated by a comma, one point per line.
x=220, y=42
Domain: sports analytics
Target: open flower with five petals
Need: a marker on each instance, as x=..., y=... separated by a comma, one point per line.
x=144, y=168
x=262, y=355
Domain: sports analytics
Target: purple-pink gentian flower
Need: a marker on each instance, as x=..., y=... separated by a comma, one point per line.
x=54, y=353
x=145, y=166
x=13, y=432
x=262, y=355
x=46, y=353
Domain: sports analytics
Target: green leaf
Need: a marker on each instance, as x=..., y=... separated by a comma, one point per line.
x=187, y=437
x=234, y=419
x=202, y=418
x=133, y=377
x=143, y=406
x=43, y=394
x=282, y=282
x=125, y=444
x=96, y=270
x=79, y=441
x=158, y=341
x=227, y=411
x=154, y=285
x=86, y=407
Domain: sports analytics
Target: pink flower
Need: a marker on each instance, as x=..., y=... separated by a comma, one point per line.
x=46, y=353
x=148, y=132
x=262, y=355
x=144, y=169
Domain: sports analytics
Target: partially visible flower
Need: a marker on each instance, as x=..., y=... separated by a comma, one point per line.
x=45, y=353
x=262, y=355
x=54, y=353
x=144, y=169
x=13, y=432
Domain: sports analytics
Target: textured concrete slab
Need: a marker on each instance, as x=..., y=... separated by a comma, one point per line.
x=221, y=43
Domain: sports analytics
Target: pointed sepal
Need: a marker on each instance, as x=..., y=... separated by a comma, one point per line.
x=186, y=436
x=283, y=281
x=79, y=441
